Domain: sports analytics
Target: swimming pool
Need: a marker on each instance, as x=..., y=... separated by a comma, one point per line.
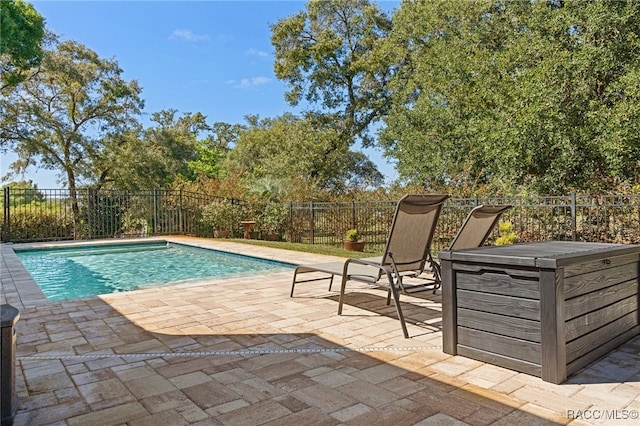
x=81, y=271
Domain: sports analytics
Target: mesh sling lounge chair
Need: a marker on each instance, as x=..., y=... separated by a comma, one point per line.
x=474, y=231
x=406, y=251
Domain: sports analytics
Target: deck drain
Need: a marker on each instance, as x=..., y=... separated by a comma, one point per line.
x=231, y=353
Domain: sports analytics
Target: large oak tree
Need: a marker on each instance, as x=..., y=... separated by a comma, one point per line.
x=516, y=96
x=324, y=54
x=60, y=117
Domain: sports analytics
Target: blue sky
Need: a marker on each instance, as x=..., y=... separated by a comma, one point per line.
x=213, y=57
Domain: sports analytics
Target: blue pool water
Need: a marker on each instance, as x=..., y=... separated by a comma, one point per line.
x=67, y=273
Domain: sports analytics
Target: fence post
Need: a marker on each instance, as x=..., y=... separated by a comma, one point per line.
x=353, y=215
x=311, y=222
x=290, y=224
x=180, y=227
x=7, y=212
x=90, y=197
x=154, y=220
x=574, y=220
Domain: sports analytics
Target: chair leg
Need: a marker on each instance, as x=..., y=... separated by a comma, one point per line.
x=295, y=275
x=342, y=290
x=293, y=284
x=396, y=299
x=437, y=275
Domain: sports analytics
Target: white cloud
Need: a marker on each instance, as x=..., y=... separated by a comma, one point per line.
x=188, y=35
x=257, y=52
x=249, y=83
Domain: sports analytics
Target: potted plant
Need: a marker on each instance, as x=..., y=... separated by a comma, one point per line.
x=352, y=240
x=220, y=215
x=273, y=219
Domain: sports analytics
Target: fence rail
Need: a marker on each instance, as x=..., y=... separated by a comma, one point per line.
x=603, y=218
x=59, y=214
x=41, y=215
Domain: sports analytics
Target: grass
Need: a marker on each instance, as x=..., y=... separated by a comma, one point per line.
x=308, y=248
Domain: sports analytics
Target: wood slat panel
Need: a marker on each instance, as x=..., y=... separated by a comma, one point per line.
x=598, y=352
x=526, y=272
x=501, y=360
x=497, y=324
x=586, y=324
x=589, y=342
x=588, y=302
x=490, y=282
x=613, y=262
x=500, y=345
x=592, y=281
x=500, y=304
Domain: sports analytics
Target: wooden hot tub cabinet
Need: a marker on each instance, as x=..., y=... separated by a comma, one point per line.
x=545, y=309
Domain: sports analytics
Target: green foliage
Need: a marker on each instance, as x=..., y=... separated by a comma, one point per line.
x=268, y=188
x=133, y=225
x=220, y=215
x=21, y=35
x=31, y=224
x=207, y=163
x=158, y=156
x=22, y=192
x=513, y=96
x=213, y=150
x=507, y=234
x=57, y=118
x=323, y=54
x=352, y=235
x=274, y=217
x=301, y=152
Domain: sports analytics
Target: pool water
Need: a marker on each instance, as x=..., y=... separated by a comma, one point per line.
x=67, y=273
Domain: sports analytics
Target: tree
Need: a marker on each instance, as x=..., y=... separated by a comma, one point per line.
x=175, y=148
x=214, y=148
x=294, y=149
x=510, y=96
x=324, y=55
x=155, y=157
x=21, y=34
x=61, y=115
x=23, y=192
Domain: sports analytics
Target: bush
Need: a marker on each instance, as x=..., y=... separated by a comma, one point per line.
x=220, y=215
x=507, y=235
x=39, y=225
x=274, y=217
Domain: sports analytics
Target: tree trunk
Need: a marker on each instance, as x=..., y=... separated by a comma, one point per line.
x=74, y=204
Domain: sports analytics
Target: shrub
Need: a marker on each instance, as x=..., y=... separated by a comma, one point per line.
x=221, y=215
x=273, y=218
x=507, y=235
x=352, y=235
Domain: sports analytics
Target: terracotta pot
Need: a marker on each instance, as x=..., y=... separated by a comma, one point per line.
x=354, y=245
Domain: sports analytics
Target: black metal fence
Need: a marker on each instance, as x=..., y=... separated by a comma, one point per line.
x=41, y=215
x=50, y=214
x=606, y=218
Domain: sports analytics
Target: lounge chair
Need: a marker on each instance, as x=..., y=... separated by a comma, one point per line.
x=474, y=231
x=406, y=252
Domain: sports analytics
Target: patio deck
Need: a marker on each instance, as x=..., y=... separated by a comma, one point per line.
x=242, y=352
